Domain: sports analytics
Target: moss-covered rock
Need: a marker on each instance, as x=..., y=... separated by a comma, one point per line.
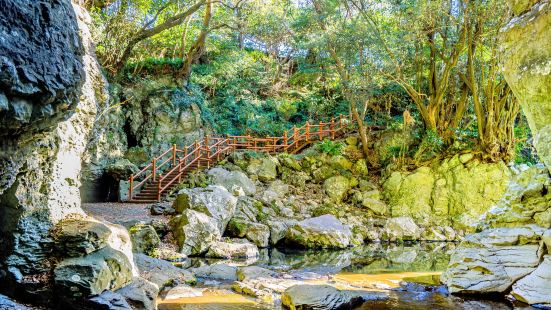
x=232, y=180
x=144, y=238
x=77, y=237
x=527, y=201
x=324, y=231
x=264, y=168
x=336, y=187
x=456, y=191
x=106, y=269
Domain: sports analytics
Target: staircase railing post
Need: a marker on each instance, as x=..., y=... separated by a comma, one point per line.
x=307, y=131
x=159, y=188
x=179, y=170
x=208, y=150
x=154, y=169
x=295, y=136
x=131, y=187
x=321, y=131
x=285, y=139
x=197, y=156
x=185, y=155
x=332, y=128
x=173, y=155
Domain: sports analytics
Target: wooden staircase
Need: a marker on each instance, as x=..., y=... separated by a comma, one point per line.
x=166, y=170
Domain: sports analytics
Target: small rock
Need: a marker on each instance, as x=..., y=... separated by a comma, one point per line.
x=232, y=250
x=140, y=294
x=401, y=229
x=144, y=238
x=254, y=272
x=161, y=272
x=217, y=272
x=319, y=297
x=162, y=208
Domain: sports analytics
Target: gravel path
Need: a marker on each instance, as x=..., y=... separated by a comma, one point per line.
x=119, y=213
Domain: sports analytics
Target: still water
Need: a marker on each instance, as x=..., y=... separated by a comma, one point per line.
x=407, y=275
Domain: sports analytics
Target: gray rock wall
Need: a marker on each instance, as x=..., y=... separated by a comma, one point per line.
x=40, y=171
x=526, y=54
x=41, y=67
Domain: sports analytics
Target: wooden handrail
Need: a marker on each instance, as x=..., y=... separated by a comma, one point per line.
x=211, y=149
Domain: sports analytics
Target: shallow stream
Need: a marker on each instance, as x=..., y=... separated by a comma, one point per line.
x=407, y=275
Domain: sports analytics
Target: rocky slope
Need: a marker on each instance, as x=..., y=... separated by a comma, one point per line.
x=316, y=200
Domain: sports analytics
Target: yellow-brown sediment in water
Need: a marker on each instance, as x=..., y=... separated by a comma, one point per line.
x=391, y=280
x=210, y=297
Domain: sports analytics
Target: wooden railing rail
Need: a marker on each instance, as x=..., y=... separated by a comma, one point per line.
x=168, y=168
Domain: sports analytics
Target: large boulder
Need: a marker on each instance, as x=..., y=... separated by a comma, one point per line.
x=536, y=287
x=264, y=168
x=77, y=237
x=214, y=201
x=492, y=260
x=453, y=192
x=216, y=272
x=525, y=52
x=319, y=297
x=325, y=231
x=140, y=294
x=205, y=215
x=257, y=233
x=254, y=272
x=106, y=269
x=232, y=180
x=195, y=232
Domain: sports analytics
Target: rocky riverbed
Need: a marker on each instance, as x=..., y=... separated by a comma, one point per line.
x=375, y=276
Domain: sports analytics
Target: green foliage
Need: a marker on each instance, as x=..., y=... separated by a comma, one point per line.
x=524, y=151
x=330, y=147
x=430, y=146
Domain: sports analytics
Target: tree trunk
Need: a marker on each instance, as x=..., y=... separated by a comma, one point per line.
x=197, y=49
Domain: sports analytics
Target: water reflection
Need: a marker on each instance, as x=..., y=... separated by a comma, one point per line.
x=409, y=273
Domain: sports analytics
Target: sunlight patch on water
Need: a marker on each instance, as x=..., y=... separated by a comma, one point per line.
x=385, y=280
x=210, y=299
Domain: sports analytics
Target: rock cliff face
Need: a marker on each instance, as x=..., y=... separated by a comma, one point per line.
x=526, y=50
x=142, y=120
x=41, y=65
x=513, y=254
x=40, y=173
